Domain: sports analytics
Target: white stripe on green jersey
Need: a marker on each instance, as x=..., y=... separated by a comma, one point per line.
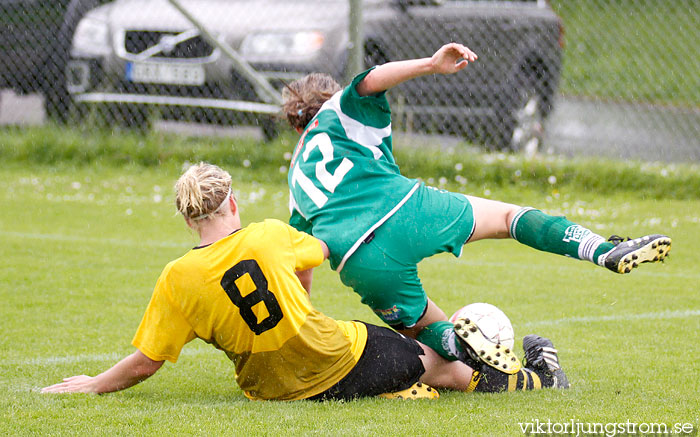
x=343, y=179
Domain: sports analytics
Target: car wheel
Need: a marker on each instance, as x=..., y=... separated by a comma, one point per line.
x=57, y=99
x=528, y=123
x=522, y=126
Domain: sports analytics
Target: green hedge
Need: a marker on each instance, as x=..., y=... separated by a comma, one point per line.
x=454, y=167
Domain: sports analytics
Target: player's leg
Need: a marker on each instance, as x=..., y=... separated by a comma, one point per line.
x=441, y=373
x=391, y=365
x=394, y=292
x=430, y=315
x=556, y=234
x=392, y=289
x=434, y=330
x=396, y=295
x=408, y=305
x=542, y=369
x=383, y=270
x=433, y=221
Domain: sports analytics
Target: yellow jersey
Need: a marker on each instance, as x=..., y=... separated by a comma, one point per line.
x=241, y=294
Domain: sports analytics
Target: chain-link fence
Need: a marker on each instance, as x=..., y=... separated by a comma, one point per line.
x=551, y=75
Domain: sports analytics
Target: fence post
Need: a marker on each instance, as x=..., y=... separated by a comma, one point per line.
x=269, y=94
x=356, y=40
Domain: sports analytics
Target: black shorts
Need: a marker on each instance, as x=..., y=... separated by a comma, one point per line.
x=390, y=363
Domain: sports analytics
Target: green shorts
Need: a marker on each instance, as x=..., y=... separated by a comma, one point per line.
x=384, y=269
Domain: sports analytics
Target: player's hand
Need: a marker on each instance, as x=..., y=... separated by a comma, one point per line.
x=444, y=61
x=74, y=384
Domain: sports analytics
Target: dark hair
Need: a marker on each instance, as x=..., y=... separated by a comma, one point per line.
x=304, y=97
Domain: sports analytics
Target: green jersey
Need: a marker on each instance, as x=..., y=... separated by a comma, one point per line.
x=343, y=179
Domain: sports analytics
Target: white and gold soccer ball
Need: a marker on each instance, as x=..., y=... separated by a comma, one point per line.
x=491, y=321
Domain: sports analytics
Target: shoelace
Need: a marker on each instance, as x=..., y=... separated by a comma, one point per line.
x=616, y=239
x=542, y=355
x=533, y=356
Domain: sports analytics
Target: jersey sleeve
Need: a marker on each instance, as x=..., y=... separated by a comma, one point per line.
x=307, y=249
x=298, y=222
x=372, y=110
x=163, y=330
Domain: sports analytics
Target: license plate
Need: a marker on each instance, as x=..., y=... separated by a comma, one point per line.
x=170, y=74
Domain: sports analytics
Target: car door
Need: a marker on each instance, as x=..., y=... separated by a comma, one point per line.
x=420, y=28
x=503, y=33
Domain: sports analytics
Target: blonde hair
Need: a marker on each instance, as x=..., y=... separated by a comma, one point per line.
x=304, y=97
x=201, y=191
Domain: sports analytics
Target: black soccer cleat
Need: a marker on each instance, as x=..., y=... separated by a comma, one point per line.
x=479, y=350
x=627, y=255
x=542, y=358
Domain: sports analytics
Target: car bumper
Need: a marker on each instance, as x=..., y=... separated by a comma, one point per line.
x=176, y=101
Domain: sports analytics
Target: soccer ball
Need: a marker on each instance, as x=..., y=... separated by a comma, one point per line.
x=491, y=321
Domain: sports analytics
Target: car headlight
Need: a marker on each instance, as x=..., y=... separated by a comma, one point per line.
x=288, y=44
x=91, y=38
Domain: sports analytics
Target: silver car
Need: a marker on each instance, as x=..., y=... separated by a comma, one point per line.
x=145, y=56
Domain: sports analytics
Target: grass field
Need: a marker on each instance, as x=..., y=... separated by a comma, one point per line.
x=82, y=249
x=631, y=50
x=84, y=244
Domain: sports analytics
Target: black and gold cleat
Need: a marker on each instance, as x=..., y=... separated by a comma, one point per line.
x=626, y=255
x=416, y=391
x=481, y=350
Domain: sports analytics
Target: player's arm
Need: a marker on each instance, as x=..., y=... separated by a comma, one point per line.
x=126, y=373
x=306, y=276
x=444, y=61
x=298, y=222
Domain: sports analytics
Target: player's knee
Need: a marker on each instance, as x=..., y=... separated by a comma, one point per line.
x=492, y=218
x=510, y=215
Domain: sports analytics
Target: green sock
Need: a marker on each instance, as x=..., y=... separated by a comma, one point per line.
x=557, y=235
x=441, y=337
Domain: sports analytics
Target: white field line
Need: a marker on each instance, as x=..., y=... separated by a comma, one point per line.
x=114, y=357
x=78, y=239
x=169, y=244
x=111, y=357
x=572, y=265
x=684, y=314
